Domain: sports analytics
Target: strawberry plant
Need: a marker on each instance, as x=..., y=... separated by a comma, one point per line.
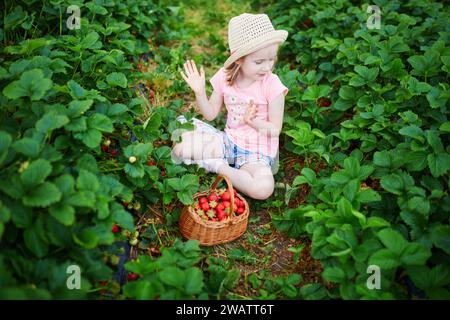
x=374, y=107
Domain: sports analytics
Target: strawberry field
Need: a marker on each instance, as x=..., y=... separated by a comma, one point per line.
x=88, y=187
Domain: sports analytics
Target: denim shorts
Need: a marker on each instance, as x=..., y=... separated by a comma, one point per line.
x=237, y=157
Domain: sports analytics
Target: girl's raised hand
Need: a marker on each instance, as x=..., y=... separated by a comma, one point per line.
x=195, y=79
x=251, y=111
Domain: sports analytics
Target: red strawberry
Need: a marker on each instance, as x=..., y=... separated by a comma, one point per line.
x=115, y=228
x=151, y=163
x=324, y=102
x=114, y=153
x=221, y=215
x=226, y=195
x=214, y=219
x=104, y=148
x=203, y=200
x=132, y=276
x=240, y=210
x=125, y=204
x=220, y=207
x=213, y=197
x=163, y=173
x=226, y=204
x=205, y=206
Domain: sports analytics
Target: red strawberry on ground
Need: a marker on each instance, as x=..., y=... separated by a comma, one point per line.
x=132, y=276
x=115, y=228
x=151, y=163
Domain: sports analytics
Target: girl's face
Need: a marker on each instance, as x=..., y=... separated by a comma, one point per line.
x=257, y=64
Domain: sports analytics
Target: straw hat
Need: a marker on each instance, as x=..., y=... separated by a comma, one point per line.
x=248, y=33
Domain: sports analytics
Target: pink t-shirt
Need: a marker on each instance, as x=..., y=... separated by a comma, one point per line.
x=236, y=100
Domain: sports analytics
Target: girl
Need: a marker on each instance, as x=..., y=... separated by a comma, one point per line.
x=254, y=99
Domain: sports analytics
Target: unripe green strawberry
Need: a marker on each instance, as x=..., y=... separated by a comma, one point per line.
x=134, y=241
x=114, y=260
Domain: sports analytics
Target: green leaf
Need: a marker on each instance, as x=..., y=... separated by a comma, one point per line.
x=78, y=107
x=413, y=131
x=87, y=181
x=315, y=92
x=36, y=173
x=64, y=213
x=347, y=93
x=440, y=235
x=445, y=127
x=87, y=239
x=34, y=241
x=117, y=79
x=122, y=217
x=334, y=274
x=135, y=170
x=376, y=222
x=194, y=281
x=5, y=142
x=51, y=121
x=90, y=41
x=393, y=240
x=415, y=254
x=368, y=74
x=31, y=84
x=397, y=183
x=368, y=195
x=172, y=276
x=438, y=163
x=100, y=122
x=42, y=195
x=385, y=259
x=27, y=146
x=91, y=138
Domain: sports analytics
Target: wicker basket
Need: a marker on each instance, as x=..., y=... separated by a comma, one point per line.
x=210, y=233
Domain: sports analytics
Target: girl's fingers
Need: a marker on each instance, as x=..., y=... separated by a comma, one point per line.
x=189, y=67
x=194, y=67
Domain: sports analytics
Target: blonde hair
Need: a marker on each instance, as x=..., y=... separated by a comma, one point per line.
x=232, y=71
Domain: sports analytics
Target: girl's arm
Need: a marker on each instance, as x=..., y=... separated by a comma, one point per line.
x=196, y=80
x=209, y=108
x=275, y=123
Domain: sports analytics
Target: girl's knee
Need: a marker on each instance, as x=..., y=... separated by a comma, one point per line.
x=178, y=152
x=262, y=189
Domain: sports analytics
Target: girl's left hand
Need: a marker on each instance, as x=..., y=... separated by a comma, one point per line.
x=251, y=111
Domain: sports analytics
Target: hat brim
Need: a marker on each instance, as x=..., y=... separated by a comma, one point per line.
x=276, y=36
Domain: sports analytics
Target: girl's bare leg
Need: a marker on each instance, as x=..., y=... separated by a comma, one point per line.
x=253, y=179
x=197, y=145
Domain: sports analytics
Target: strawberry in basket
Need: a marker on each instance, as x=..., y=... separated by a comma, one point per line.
x=217, y=206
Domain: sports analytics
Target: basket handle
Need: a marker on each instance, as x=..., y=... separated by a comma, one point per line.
x=230, y=187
